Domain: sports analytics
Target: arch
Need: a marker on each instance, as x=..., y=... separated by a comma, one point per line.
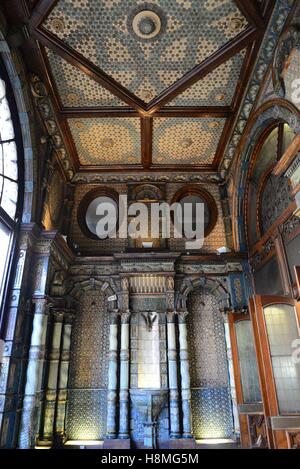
x=213, y=285
x=17, y=78
x=270, y=113
x=93, y=284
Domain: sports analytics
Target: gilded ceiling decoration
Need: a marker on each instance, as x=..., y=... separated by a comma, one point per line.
x=186, y=140
x=107, y=141
x=217, y=88
x=75, y=88
x=146, y=46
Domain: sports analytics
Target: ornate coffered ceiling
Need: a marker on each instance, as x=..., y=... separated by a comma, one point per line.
x=146, y=86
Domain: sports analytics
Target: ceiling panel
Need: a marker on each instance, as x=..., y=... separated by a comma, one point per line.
x=75, y=88
x=186, y=140
x=113, y=35
x=107, y=141
x=217, y=88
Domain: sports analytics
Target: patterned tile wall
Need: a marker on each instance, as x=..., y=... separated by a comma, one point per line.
x=86, y=411
x=191, y=31
x=107, y=141
x=215, y=240
x=186, y=140
x=211, y=405
x=76, y=89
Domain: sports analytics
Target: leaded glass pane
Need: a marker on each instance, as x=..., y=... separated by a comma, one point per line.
x=282, y=332
x=248, y=363
x=6, y=126
x=5, y=235
x=9, y=197
x=10, y=160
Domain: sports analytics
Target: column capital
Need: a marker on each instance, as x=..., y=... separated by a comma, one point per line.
x=182, y=316
x=171, y=315
x=125, y=317
x=69, y=316
x=114, y=317
x=58, y=315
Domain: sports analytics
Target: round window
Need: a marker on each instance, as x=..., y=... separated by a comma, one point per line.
x=98, y=214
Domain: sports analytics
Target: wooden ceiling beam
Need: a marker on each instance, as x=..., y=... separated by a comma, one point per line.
x=180, y=168
x=77, y=60
x=207, y=66
x=252, y=13
x=146, y=137
x=40, y=12
x=101, y=112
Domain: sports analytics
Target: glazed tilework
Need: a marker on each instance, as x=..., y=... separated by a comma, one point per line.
x=171, y=135
x=211, y=405
x=107, y=141
x=211, y=413
x=217, y=88
x=89, y=352
x=76, y=89
x=194, y=29
x=207, y=348
x=137, y=425
x=86, y=414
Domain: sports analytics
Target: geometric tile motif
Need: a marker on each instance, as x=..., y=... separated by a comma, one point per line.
x=107, y=141
x=76, y=89
x=186, y=140
x=99, y=31
x=207, y=347
x=86, y=414
x=217, y=88
x=137, y=425
x=211, y=413
x=89, y=351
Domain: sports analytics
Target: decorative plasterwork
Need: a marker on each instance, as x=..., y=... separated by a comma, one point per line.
x=107, y=141
x=217, y=88
x=186, y=140
x=91, y=178
x=48, y=116
x=190, y=31
x=280, y=14
x=75, y=88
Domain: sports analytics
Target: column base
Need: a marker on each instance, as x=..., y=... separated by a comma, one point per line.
x=182, y=443
x=117, y=444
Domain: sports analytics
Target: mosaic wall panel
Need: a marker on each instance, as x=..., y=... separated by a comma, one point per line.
x=86, y=414
x=211, y=405
x=186, y=140
x=207, y=348
x=107, y=141
x=217, y=88
x=76, y=89
x=89, y=349
x=191, y=30
x=211, y=413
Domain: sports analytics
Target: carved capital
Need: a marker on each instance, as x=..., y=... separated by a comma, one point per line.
x=182, y=316
x=114, y=317
x=171, y=316
x=125, y=317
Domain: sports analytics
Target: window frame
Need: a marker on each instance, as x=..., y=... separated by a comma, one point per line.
x=13, y=225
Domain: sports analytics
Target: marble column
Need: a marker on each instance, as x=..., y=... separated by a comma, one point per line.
x=52, y=381
x=185, y=376
x=112, y=376
x=31, y=402
x=63, y=376
x=124, y=377
x=173, y=378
